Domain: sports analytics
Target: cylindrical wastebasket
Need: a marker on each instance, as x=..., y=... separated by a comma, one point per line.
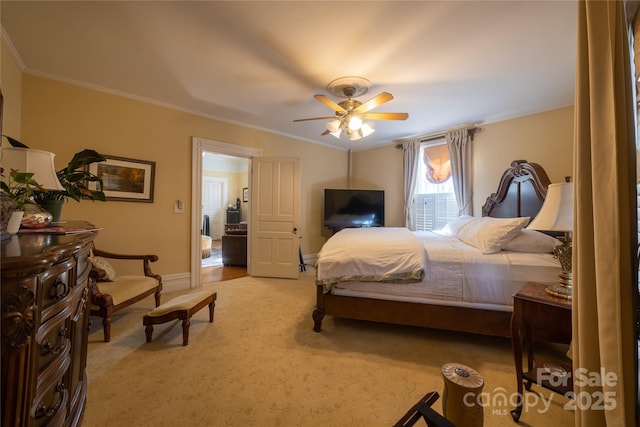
x=461, y=396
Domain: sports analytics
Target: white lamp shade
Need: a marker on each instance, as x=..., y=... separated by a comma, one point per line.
x=366, y=130
x=556, y=213
x=336, y=133
x=39, y=162
x=355, y=135
x=334, y=125
x=355, y=123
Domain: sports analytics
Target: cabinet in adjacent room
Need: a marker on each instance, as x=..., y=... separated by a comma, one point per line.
x=44, y=305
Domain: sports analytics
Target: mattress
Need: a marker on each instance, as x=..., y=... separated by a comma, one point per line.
x=383, y=254
x=458, y=274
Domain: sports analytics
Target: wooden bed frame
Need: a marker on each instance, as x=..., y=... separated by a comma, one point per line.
x=521, y=191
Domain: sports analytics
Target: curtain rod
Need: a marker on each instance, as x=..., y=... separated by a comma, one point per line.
x=473, y=128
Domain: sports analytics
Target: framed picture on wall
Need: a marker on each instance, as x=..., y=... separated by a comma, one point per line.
x=245, y=194
x=124, y=179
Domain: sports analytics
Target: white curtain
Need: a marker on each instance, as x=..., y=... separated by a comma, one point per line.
x=605, y=227
x=410, y=159
x=459, y=143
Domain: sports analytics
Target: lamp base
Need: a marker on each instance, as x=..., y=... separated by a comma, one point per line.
x=564, y=289
x=559, y=291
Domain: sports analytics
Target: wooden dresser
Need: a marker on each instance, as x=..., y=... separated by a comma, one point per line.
x=45, y=316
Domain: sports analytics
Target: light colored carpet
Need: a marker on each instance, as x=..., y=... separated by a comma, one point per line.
x=260, y=364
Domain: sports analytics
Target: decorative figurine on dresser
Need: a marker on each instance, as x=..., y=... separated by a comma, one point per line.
x=45, y=313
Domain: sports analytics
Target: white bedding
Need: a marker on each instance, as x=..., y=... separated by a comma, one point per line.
x=389, y=254
x=458, y=274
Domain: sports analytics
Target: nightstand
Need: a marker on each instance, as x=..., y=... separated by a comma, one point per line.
x=538, y=316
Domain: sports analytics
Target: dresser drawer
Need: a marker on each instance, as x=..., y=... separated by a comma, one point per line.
x=83, y=266
x=51, y=407
x=56, y=283
x=52, y=392
x=52, y=339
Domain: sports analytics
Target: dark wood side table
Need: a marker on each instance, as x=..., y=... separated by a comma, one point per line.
x=541, y=317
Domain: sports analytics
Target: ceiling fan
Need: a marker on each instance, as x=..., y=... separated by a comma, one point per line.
x=351, y=113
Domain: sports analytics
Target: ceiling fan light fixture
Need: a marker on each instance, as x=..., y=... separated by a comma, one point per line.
x=355, y=123
x=349, y=115
x=366, y=130
x=336, y=133
x=334, y=125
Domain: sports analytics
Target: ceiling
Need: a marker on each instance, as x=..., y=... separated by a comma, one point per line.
x=258, y=64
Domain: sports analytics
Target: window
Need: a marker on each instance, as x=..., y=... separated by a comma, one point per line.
x=434, y=201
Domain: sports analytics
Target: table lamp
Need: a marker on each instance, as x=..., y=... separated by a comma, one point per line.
x=556, y=214
x=39, y=162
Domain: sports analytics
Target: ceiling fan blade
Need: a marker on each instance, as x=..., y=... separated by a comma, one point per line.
x=326, y=132
x=385, y=116
x=316, y=118
x=329, y=103
x=374, y=102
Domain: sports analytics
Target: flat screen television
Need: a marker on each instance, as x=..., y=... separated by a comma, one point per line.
x=353, y=208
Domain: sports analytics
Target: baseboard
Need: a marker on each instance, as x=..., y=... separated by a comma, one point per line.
x=310, y=259
x=176, y=282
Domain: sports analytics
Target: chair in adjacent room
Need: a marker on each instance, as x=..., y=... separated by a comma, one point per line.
x=111, y=292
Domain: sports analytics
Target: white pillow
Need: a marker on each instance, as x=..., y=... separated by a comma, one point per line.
x=102, y=263
x=452, y=227
x=532, y=241
x=489, y=234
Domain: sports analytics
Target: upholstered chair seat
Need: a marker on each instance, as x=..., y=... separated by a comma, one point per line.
x=125, y=288
x=111, y=292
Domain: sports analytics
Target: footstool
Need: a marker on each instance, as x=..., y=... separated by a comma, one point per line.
x=182, y=307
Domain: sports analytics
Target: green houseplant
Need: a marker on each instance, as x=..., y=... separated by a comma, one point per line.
x=19, y=188
x=75, y=178
x=15, y=193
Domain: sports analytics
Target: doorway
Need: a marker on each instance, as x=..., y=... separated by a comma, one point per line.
x=215, y=193
x=219, y=157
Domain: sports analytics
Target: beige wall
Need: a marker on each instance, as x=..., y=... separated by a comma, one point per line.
x=381, y=168
x=545, y=138
x=65, y=118
x=11, y=85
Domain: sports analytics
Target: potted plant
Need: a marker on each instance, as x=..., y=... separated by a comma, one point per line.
x=74, y=177
x=15, y=193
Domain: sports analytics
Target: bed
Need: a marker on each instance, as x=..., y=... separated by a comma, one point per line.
x=450, y=284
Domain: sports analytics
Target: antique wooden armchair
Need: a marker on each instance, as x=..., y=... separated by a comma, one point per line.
x=111, y=292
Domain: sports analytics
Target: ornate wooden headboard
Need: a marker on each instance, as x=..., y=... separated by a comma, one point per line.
x=521, y=191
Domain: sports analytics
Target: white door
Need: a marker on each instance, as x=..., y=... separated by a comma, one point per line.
x=274, y=201
x=214, y=194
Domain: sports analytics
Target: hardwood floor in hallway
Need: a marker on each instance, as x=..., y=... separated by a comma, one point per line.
x=221, y=273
